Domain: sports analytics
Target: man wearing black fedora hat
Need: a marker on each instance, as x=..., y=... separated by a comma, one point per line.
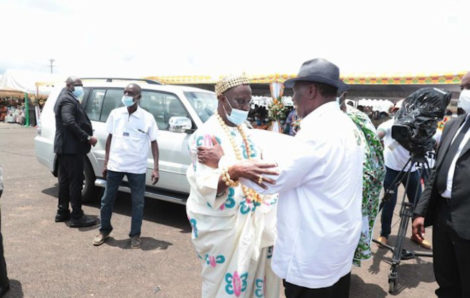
x=320, y=190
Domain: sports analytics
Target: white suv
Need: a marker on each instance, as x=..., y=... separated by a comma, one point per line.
x=178, y=111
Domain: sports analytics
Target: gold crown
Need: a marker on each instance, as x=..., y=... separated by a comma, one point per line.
x=229, y=82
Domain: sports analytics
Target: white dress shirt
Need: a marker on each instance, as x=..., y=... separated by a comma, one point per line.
x=450, y=175
x=130, y=144
x=320, y=196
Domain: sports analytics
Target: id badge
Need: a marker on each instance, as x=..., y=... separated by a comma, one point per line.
x=125, y=134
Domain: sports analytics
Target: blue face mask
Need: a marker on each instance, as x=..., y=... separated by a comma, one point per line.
x=77, y=92
x=237, y=116
x=128, y=101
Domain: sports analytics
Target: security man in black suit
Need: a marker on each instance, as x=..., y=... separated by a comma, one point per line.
x=73, y=140
x=445, y=204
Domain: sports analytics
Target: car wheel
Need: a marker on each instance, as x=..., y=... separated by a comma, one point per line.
x=90, y=192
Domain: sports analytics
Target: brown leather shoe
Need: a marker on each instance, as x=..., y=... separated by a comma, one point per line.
x=383, y=241
x=423, y=243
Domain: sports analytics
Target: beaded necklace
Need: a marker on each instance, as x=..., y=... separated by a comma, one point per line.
x=249, y=193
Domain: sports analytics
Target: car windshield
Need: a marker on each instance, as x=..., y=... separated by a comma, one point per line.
x=204, y=103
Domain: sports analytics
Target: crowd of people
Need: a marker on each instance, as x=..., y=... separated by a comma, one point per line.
x=12, y=114
x=258, y=117
x=301, y=220
x=12, y=110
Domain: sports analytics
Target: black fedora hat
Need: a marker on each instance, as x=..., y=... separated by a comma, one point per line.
x=318, y=70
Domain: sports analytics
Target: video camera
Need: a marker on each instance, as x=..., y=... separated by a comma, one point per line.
x=416, y=120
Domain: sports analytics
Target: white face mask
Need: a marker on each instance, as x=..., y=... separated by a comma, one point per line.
x=128, y=101
x=236, y=116
x=464, y=100
x=78, y=93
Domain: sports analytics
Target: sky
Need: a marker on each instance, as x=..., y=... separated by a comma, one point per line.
x=204, y=37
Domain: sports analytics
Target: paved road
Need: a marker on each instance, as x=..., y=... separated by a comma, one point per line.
x=47, y=259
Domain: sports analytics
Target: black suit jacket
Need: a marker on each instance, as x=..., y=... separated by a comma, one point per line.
x=460, y=198
x=72, y=126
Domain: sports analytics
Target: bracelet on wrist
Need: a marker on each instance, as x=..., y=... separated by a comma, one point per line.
x=228, y=181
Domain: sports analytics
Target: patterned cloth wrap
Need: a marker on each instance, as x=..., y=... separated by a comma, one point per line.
x=373, y=176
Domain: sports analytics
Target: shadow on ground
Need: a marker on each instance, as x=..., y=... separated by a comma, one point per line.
x=148, y=243
x=51, y=191
x=411, y=275
x=161, y=212
x=379, y=256
x=16, y=290
x=360, y=289
x=410, y=272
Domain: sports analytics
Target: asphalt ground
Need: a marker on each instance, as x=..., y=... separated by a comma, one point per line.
x=48, y=259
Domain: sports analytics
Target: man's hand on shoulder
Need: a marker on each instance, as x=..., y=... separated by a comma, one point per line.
x=210, y=154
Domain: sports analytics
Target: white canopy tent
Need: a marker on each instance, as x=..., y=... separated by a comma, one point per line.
x=27, y=82
x=381, y=105
x=28, y=85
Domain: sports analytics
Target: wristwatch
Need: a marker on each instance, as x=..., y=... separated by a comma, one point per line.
x=88, y=138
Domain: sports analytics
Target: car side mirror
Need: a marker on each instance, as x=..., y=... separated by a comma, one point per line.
x=180, y=124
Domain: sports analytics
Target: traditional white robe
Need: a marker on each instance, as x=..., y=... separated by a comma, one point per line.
x=233, y=235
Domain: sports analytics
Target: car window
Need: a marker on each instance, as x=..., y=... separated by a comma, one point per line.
x=94, y=103
x=204, y=103
x=86, y=92
x=162, y=106
x=112, y=100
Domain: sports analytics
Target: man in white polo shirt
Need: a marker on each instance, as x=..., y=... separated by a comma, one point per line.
x=130, y=130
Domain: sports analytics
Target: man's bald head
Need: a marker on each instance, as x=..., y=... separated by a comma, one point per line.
x=134, y=87
x=133, y=90
x=73, y=81
x=465, y=84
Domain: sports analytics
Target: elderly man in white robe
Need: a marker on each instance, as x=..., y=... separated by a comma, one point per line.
x=233, y=227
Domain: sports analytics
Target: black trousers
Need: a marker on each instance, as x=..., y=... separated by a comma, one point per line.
x=339, y=290
x=70, y=184
x=451, y=257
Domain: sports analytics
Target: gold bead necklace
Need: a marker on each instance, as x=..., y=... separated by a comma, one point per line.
x=251, y=194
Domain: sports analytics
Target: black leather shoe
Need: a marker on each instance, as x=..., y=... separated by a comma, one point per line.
x=61, y=217
x=4, y=290
x=84, y=221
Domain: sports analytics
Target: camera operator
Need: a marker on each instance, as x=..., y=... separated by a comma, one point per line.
x=396, y=156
